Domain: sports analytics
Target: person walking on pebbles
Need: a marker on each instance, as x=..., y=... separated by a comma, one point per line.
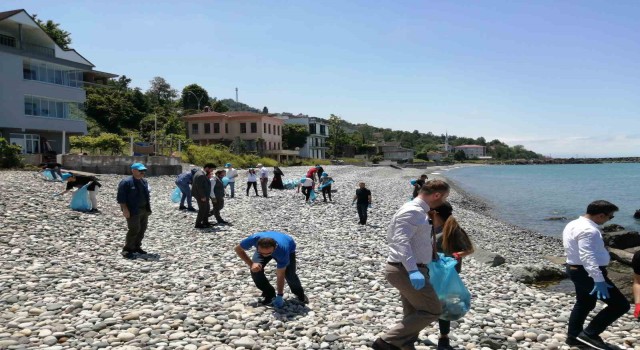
x=587, y=260
x=453, y=241
x=362, y=199
x=281, y=248
x=232, y=173
x=325, y=185
x=411, y=249
x=201, y=190
x=217, y=196
x=135, y=202
x=252, y=178
x=264, y=179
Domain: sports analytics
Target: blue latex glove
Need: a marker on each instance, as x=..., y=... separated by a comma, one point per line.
x=417, y=279
x=370, y=206
x=279, y=301
x=601, y=289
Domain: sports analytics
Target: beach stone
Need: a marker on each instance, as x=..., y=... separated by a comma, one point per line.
x=245, y=342
x=126, y=336
x=331, y=337
x=485, y=257
x=621, y=240
x=50, y=340
x=535, y=273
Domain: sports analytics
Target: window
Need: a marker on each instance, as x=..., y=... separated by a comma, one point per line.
x=216, y=128
x=323, y=130
x=312, y=128
x=278, y=129
x=226, y=128
x=243, y=128
x=194, y=129
x=269, y=128
x=50, y=73
x=207, y=128
x=264, y=128
x=254, y=128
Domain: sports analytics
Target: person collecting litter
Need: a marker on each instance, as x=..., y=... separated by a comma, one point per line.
x=78, y=181
x=307, y=186
x=319, y=171
x=418, y=184
x=184, y=182
x=281, y=248
x=201, y=191
x=363, y=198
x=325, y=183
x=217, y=196
x=134, y=198
x=453, y=241
x=53, y=169
x=232, y=173
x=252, y=179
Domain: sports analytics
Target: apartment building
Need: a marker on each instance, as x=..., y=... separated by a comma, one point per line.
x=472, y=151
x=316, y=146
x=41, y=87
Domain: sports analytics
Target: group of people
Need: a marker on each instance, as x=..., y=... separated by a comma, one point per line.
x=417, y=231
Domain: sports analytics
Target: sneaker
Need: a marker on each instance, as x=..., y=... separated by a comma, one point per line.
x=571, y=340
x=128, y=255
x=223, y=222
x=304, y=299
x=443, y=344
x=192, y=209
x=594, y=341
x=182, y=207
x=380, y=344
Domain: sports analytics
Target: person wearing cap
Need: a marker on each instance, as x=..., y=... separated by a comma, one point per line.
x=281, y=248
x=411, y=248
x=134, y=198
x=184, y=182
x=252, y=179
x=264, y=179
x=306, y=183
x=319, y=171
x=78, y=181
x=232, y=173
x=201, y=191
x=587, y=260
x=326, y=189
x=217, y=195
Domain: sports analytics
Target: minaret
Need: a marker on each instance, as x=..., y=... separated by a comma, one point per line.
x=446, y=141
x=236, y=95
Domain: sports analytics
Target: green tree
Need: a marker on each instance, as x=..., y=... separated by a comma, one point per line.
x=110, y=142
x=9, y=154
x=194, y=97
x=61, y=37
x=238, y=106
x=160, y=92
x=218, y=106
x=81, y=142
x=294, y=135
x=460, y=156
x=337, y=135
x=265, y=110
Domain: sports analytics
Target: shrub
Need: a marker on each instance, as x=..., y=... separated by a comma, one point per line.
x=9, y=155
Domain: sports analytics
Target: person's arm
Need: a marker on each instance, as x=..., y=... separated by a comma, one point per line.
x=122, y=198
x=369, y=199
x=404, y=229
x=243, y=255
x=280, y=273
x=636, y=289
x=586, y=246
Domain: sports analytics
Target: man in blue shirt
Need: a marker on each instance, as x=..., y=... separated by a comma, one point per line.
x=280, y=247
x=135, y=203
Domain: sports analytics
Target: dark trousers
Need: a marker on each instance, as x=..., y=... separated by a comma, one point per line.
x=203, y=211
x=255, y=187
x=617, y=304
x=307, y=192
x=362, y=212
x=137, y=225
x=326, y=190
x=261, y=281
x=263, y=184
x=217, y=207
x=186, y=195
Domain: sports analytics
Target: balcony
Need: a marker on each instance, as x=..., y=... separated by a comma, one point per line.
x=6, y=40
x=39, y=50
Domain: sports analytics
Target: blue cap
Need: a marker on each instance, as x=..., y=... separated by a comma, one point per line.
x=302, y=179
x=138, y=166
x=66, y=176
x=325, y=174
x=228, y=165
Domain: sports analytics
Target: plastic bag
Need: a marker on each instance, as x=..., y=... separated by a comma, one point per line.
x=413, y=182
x=48, y=175
x=454, y=296
x=325, y=184
x=80, y=200
x=225, y=181
x=176, y=195
x=312, y=195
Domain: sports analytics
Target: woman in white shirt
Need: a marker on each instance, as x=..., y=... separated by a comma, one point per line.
x=252, y=179
x=307, y=186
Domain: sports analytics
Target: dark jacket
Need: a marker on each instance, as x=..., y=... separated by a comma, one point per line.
x=129, y=194
x=185, y=178
x=218, y=188
x=201, y=187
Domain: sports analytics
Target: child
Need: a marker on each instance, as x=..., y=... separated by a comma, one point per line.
x=453, y=241
x=363, y=196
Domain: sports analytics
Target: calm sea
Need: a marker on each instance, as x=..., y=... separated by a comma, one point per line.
x=527, y=195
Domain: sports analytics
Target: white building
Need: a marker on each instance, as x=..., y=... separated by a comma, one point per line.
x=41, y=87
x=472, y=151
x=316, y=146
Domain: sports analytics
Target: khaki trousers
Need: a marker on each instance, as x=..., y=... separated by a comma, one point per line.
x=420, y=307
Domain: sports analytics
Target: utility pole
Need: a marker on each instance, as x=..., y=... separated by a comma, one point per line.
x=155, y=133
x=236, y=95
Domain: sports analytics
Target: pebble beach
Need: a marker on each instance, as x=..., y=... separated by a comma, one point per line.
x=64, y=284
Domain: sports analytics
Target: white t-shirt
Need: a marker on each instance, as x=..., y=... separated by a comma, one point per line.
x=264, y=173
x=252, y=177
x=306, y=183
x=232, y=173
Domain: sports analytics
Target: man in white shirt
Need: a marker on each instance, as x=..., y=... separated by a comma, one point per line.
x=587, y=260
x=232, y=173
x=411, y=249
x=264, y=179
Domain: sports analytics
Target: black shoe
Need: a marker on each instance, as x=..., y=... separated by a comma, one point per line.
x=140, y=251
x=127, y=254
x=443, y=344
x=380, y=344
x=182, y=207
x=223, y=222
x=304, y=299
x=571, y=340
x=202, y=226
x=267, y=300
x=192, y=209
x=593, y=341
x=94, y=210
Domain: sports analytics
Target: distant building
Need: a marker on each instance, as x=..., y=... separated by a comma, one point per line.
x=472, y=151
x=316, y=145
x=42, y=92
x=436, y=156
x=393, y=151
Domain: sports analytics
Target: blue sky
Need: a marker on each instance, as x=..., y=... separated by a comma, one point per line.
x=559, y=77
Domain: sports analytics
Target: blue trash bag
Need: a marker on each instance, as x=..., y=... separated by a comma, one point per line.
x=454, y=296
x=225, y=181
x=325, y=184
x=48, y=175
x=413, y=182
x=176, y=195
x=80, y=199
x=312, y=195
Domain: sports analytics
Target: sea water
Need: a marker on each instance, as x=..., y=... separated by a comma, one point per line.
x=529, y=195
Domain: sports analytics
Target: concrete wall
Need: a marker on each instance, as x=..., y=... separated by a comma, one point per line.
x=121, y=165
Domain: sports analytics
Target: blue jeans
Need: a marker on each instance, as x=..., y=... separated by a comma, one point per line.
x=186, y=194
x=617, y=304
x=232, y=185
x=261, y=281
